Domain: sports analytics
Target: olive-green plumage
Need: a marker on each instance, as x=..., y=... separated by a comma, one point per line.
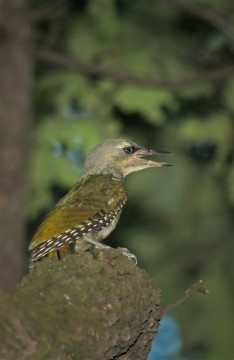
x=91, y=209
x=92, y=198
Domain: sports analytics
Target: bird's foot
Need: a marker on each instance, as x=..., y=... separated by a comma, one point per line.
x=129, y=255
x=98, y=245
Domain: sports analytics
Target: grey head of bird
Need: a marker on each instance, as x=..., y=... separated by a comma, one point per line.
x=120, y=157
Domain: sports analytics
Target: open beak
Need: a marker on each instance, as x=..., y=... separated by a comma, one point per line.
x=142, y=153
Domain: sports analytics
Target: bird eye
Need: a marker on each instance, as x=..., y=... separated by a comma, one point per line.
x=129, y=149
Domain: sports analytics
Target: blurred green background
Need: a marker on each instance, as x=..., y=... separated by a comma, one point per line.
x=161, y=74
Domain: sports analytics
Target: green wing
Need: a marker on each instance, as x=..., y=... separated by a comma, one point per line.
x=92, y=195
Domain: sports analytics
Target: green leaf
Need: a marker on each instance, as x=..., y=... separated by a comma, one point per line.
x=148, y=102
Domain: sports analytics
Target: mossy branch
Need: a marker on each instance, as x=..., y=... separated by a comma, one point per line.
x=96, y=306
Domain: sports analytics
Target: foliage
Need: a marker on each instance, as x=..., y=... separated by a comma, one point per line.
x=178, y=220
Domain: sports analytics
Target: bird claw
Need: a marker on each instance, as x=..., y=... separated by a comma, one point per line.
x=129, y=255
x=125, y=251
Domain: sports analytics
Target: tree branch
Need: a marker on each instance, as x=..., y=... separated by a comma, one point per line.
x=67, y=61
x=196, y=287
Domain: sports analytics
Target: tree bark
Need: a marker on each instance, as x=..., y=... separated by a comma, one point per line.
x=16, y=67
x=96, y=306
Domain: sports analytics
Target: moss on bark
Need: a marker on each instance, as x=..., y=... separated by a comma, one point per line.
x=96, y=306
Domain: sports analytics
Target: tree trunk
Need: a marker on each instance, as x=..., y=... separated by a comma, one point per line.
x=16, y=67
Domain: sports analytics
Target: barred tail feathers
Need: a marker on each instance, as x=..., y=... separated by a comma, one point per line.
x=53, y=244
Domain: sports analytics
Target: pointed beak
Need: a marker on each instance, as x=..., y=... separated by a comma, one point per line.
x=142, y=153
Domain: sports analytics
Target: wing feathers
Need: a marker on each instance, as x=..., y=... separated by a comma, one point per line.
x=78, y=213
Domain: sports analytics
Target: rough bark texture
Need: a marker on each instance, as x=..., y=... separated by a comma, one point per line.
x=15, y=125
x=97, y=306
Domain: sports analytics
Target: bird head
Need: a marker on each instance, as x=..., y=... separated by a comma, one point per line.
x=120, y=158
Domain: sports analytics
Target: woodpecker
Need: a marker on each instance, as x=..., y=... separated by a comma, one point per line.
x=90, y=211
